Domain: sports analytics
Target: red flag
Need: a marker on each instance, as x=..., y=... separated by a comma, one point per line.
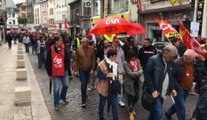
x=139, y=5
x=66, y=25
x=168, y=29
x=191, y=42
x=186, y=35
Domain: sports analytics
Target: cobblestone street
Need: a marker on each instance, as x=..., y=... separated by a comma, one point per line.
x=73, y=110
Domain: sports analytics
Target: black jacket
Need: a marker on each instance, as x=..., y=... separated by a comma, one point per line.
x=201, y=107
x=48, y=63
x=145, y=53
x=201, y=73
x=154, y=74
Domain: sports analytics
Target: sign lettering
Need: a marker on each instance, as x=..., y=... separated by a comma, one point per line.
x=112, y=21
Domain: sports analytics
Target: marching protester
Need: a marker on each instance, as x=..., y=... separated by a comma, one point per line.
x=106, y=87
x=179, y=45
x=184, y=76
x=84, y=65
x=9, y=40
x=57, y=66
x=130, y=44
x=159, y=80
x=120, y=60
x=40, y=50
x=146, y=52
x=26, y=41
x=201, y=80
x=133, y=72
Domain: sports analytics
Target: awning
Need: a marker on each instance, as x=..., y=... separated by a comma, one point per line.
x=167, y=9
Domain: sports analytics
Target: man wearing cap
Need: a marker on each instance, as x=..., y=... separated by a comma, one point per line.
x=130, y=45
x=146, y=52
x=159, y=80
x=184, y=76
x=84, y=65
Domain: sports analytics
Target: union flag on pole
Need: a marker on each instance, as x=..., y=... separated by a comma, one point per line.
x=168, y=29
x=66, y=25
x=191, y=42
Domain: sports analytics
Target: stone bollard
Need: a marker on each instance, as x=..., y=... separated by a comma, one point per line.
x=21, y=63
x=20, y=52
x=20, y=56
x=21, y=74
x=19, y=48
x=22, y=95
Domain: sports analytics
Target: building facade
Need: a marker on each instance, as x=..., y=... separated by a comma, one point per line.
x=22, y=13
x=3, y=19
x=51, y=16
x=30, y=10
x=22, y=9
x=12, y=15
x=61, y=12
x=44, y=15
x=75, y=13
x=37, y=15
x=155, y=9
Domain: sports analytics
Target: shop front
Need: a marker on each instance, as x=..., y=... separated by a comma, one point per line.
x=153, y=30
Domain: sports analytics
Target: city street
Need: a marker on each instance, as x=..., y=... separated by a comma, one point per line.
x=73, y=110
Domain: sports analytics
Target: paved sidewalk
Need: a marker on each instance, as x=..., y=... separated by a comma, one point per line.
x=8, y=110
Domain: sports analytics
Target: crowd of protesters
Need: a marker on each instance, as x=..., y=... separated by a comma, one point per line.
x=122, y=71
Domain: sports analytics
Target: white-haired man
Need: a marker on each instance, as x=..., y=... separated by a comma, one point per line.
x=184, y=75
x=159, y=80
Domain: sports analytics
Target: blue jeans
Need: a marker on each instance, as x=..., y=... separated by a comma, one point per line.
x=84, y=76
x=56, y=82
x=114, y=105
x=157, y=113
x=41, y=58
x=179, y=106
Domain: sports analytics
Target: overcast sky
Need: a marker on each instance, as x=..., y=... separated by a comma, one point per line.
x=18, y=1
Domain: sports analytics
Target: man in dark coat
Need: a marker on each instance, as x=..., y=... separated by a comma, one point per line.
x=146, y=52
x=159, y=80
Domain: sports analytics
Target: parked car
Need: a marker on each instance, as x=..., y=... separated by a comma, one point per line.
x=160, y=45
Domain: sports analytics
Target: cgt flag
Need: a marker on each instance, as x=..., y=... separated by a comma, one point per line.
x=168, y=30
x=191, y=42
x=66, y=25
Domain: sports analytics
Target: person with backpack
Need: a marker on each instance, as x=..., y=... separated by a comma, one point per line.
x=40, y=50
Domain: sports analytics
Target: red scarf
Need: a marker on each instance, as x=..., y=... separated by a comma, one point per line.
x=134, y=65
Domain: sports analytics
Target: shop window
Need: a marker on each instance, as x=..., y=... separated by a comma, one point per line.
x=119, y=6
